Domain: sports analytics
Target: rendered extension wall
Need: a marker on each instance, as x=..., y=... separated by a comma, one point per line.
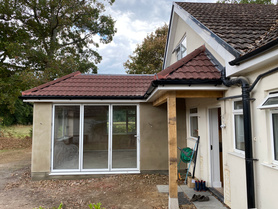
x=41, y=144
x=153, y=143
x=154, y=135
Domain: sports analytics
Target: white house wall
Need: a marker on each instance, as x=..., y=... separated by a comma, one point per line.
x=266, y=173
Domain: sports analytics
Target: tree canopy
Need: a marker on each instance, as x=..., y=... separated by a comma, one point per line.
x=45, y=39
x=246, y=1
x=148, y=56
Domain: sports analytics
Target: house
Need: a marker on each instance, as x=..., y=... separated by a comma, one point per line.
x=219, y=82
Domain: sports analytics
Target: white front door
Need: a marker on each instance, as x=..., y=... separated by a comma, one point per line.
x=214, y=147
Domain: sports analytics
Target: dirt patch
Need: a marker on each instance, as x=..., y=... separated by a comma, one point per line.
x=114, y=191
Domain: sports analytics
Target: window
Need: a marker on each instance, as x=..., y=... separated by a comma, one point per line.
x=274, y=121
x=193, y=122
x=270, y=102
x=238, y=126
x=181, y=50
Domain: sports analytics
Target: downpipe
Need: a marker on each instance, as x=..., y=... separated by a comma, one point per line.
x=245, y=87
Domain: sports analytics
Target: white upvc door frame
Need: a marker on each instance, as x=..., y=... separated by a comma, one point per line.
x=109, y=170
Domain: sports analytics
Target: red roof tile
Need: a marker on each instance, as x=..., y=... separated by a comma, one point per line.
x=196, y=65
x=82, y=85
x=242, y=26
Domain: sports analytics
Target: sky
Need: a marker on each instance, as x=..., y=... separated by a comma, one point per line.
x=135, y=19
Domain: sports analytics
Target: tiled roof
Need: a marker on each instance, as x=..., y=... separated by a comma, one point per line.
x=196, y=65
x=82, y=85
x=245, y=27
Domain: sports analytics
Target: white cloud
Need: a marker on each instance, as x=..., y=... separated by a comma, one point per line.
x=135, y=19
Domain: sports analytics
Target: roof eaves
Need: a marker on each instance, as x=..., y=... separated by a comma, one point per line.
x=27, y=92
x=254, y=53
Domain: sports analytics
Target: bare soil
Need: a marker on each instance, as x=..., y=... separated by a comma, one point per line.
x=17, y=190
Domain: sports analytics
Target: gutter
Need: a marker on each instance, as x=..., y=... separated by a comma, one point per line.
x=254, y=53
x=246, y=90
x=84, y=97
x=188, y=82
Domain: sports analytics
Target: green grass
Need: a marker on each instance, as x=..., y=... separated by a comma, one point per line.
x=16, y=131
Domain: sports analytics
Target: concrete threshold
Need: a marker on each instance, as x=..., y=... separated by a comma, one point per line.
x=213, y=203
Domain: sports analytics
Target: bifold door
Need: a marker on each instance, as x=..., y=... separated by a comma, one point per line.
x=95, y=138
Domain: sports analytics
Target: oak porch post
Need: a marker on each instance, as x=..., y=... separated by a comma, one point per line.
x=172, y=150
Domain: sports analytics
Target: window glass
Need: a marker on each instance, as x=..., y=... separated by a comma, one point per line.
x=239, y=132
x=271, y=101
x=193, y=122
x=66, y=137
x=181, y=50
x=275, y=134
x=238, y=105
x=238, y=126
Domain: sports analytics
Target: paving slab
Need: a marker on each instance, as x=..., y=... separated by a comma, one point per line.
x=213, y=203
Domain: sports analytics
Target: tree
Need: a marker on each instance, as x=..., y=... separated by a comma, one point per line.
x=41, y=40
x=268, y=2
x=148, y=56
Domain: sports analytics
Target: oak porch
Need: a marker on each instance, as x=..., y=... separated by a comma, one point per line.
x=170, y=98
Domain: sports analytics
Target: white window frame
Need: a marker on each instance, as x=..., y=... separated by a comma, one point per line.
x=182, y=43
x=235, y=113
x=109, y=170
x=272, y=135
x=190, y=116
x=270, y=95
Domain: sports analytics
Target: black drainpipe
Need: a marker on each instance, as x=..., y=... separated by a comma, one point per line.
x=247, y=135
x=246, y=89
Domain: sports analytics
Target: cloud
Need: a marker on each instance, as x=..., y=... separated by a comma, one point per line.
x=135, y=19
x=134, y=22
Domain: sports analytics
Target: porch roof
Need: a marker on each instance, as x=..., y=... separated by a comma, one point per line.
x=198, y=65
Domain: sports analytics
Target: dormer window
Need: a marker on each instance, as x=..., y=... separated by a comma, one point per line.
x=181, y=50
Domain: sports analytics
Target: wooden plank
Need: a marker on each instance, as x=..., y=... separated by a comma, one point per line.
x=172, y=145
x=199, y=94
x=160, y=100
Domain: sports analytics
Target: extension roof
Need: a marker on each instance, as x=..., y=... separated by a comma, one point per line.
x=245, y=27
x=77, y=85
x=195, y=68
x=198, y=65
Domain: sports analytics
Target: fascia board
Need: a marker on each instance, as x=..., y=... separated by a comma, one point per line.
x=206, y=35
x=66, y=101
x=169, y=43
x=161, y=88
x=252, y=64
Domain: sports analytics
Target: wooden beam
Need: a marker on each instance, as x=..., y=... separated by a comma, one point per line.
x=172, y=145
x=199, y=94
x=160, y=100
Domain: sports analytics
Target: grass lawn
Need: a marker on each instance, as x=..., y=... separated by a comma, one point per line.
x=16, y=131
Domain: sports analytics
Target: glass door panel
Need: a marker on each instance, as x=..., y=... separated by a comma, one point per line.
x=66, y=137
x=124, y=139
x=95, y=137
